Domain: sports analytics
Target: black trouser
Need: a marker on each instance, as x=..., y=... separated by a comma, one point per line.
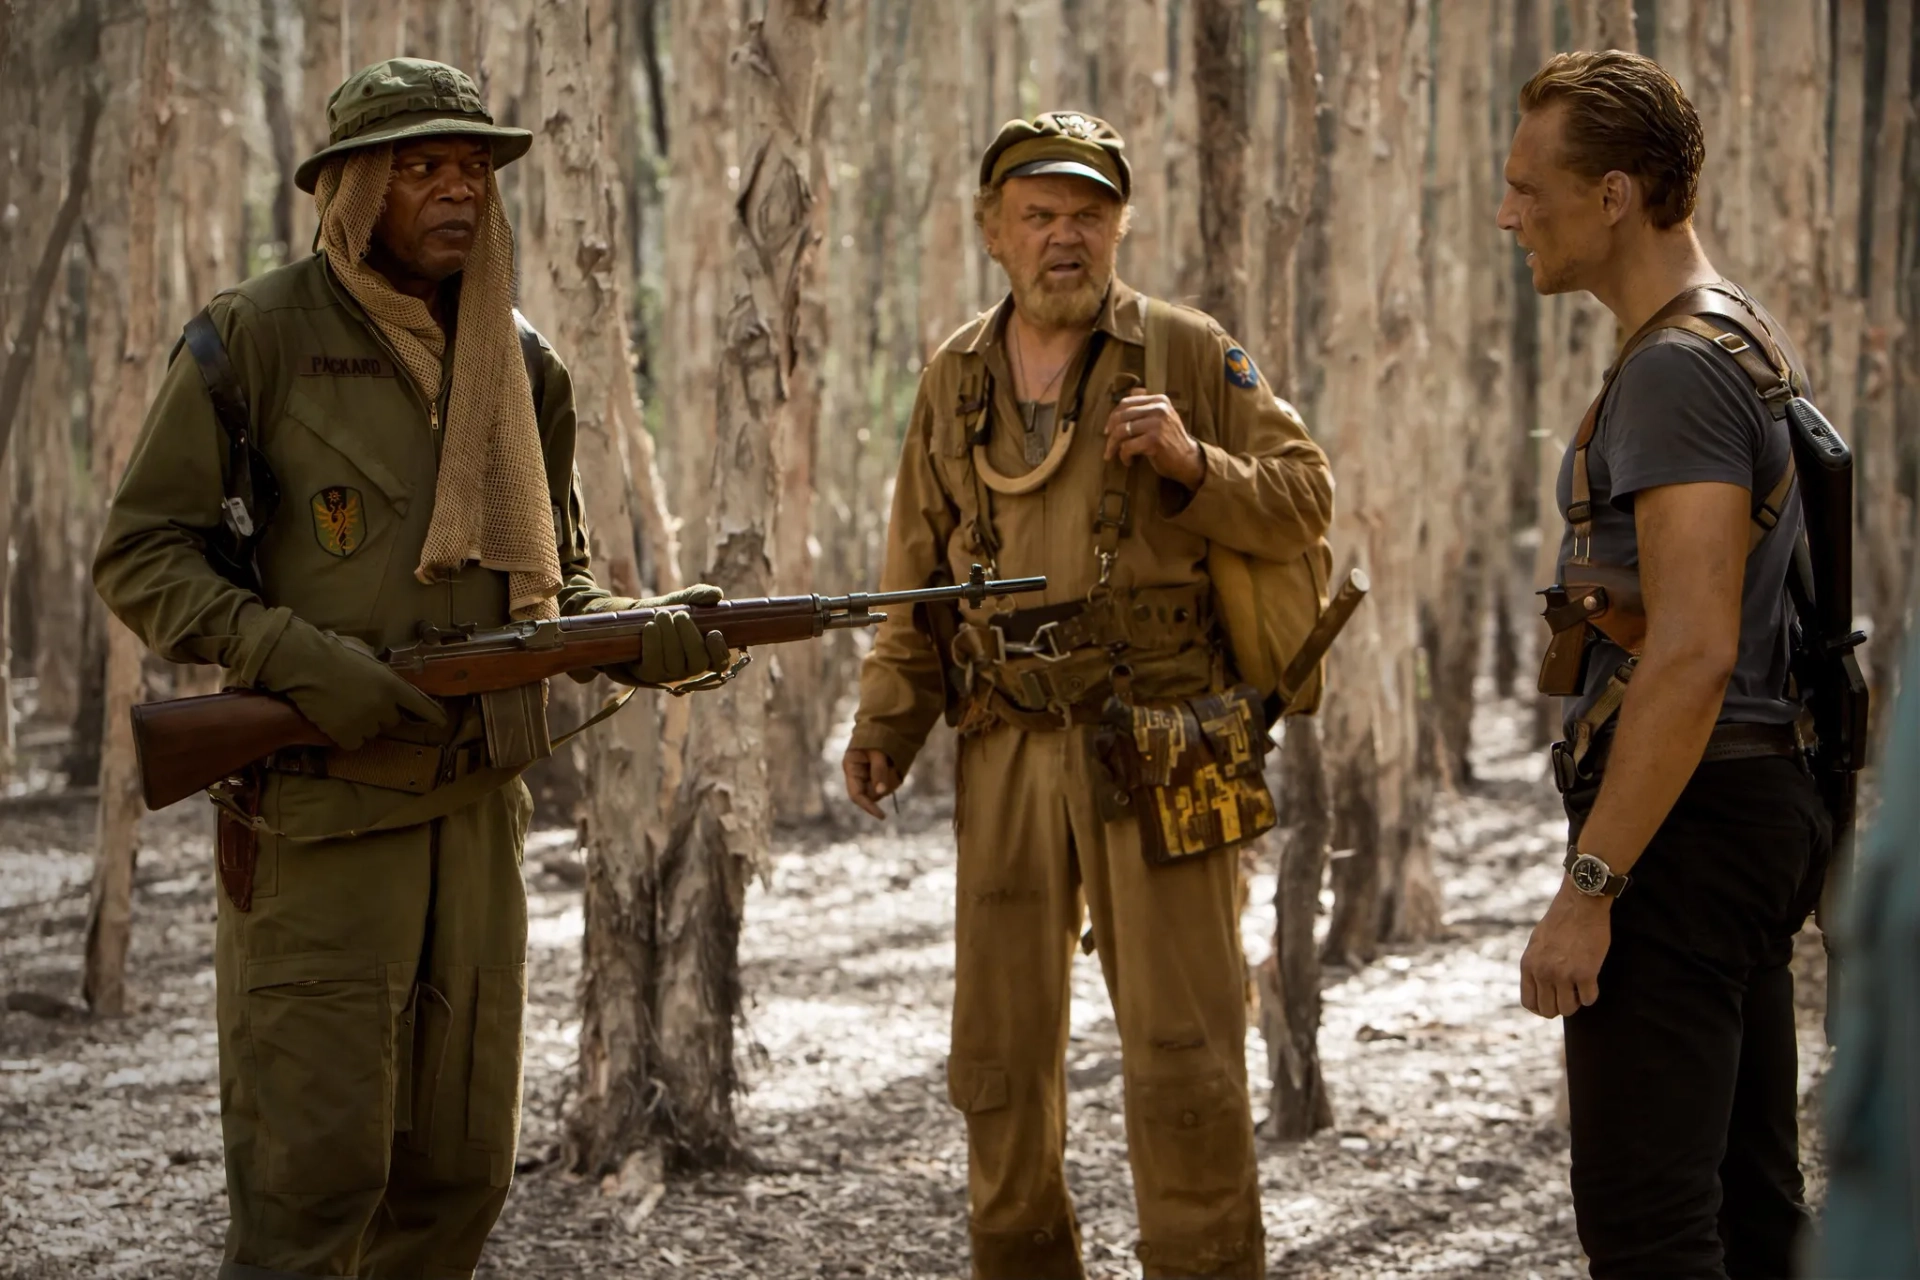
x=1683, y=1075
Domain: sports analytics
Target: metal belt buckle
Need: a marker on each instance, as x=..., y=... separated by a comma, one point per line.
x=1046, y=644
x=991, y=652
x=1566, y=773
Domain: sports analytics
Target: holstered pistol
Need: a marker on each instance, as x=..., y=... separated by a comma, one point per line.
x=1589, y=598
x=1563, y=665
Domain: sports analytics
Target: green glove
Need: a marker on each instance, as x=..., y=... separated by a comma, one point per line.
x=350, y=695
x=671, y=646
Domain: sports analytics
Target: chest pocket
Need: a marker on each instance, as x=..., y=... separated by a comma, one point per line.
x=343, y=512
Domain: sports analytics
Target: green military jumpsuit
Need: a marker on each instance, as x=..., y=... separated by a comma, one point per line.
x=370, y=998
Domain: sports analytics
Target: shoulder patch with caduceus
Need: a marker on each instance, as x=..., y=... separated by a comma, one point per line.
x=339, y=520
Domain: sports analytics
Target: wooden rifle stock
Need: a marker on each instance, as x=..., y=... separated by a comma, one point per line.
x=188, y=744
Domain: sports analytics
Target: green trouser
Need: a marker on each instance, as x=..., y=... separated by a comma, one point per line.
x=369, y=1010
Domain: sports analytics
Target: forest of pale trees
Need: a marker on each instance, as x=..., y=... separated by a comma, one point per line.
x=746, y=224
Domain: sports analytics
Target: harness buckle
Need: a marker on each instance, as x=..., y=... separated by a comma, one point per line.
x=234, y=512
x=1045, y=644
x=1731, y=343
x=1106, y=518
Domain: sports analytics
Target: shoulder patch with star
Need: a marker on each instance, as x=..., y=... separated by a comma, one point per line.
x=1240, y=370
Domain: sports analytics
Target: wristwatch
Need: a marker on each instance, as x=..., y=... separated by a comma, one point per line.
x=1590, y=875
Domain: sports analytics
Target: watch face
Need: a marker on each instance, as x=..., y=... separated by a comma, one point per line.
x=1589, y=874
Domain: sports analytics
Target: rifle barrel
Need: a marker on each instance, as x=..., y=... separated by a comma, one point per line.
x=960, y=591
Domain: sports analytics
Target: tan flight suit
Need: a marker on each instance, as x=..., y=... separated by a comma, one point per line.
x=370, y=997
x=1032, y=844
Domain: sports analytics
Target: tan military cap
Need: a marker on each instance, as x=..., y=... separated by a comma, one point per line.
x=1062, y=142
x=405, y=98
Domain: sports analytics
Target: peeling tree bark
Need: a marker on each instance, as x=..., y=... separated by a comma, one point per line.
x=1292, y=197
x=1887, y=532
x=1290, y=980
x=110, y=913
x=698, y=187
x=580, y=283
x=32, y=313
x=1220, y=86
x=720, y=814
x=1136, y=50
x=1350, y=422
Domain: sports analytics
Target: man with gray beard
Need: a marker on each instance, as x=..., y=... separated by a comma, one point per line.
x=1106, y=440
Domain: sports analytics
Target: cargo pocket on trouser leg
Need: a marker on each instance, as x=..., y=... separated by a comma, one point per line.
x=999, y=1155
x=493, y=1096
x=319, y=1025
x=974, y=1087
x=1194, y=1176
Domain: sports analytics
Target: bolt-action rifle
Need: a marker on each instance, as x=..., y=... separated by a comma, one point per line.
x=185, y=745
x=1821, y=585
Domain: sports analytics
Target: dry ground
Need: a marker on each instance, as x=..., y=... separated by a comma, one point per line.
x=1446, y=1160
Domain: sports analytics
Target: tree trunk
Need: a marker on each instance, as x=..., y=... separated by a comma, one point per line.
x=574, y=267
x=952, y=174
x=806, y=685
x=323, y=66
x=7, y=523
x=30, y=320
x=1136, y=50
x=1349, y=421
x=720, y=813
x=1887, y=521
x=279, y=116
x=702, y=36
x=1041, y=33
x=1290, y=198
x=1466, y=372
x=110, y=914
x=1220, y=87
x=1412, y=894
x=376, y=30
x=1789, y=193
x=1290, y=980
x=1184, y=266
x=1613, y=25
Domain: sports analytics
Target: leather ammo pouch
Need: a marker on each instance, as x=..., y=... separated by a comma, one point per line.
x=1191, y=771
x=1589, y=597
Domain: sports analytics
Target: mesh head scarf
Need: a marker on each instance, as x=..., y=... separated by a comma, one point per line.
x=490, y=505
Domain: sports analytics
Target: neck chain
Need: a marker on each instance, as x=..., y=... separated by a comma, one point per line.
x=1029, y=409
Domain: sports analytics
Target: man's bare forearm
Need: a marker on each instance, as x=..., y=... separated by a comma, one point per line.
x=1669, y=713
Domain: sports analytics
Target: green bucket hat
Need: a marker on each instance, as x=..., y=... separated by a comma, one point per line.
x=404, y=98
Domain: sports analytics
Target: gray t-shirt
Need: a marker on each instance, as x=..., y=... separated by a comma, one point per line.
x=1683, y=412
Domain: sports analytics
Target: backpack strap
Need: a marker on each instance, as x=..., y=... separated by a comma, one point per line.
x=251, y=494
x=530, y=353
